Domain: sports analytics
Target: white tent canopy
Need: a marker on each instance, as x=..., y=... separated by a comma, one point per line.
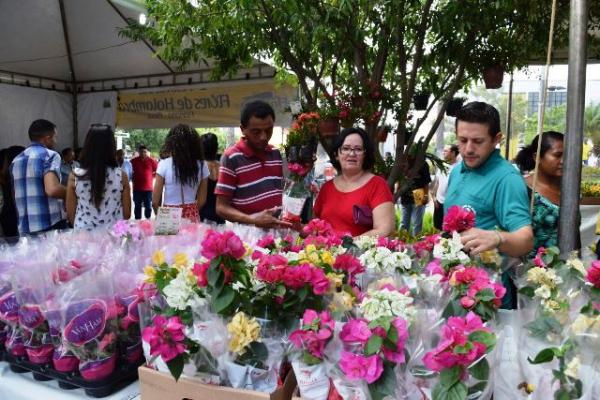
x=71, y=49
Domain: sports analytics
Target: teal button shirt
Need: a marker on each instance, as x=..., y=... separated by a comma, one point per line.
x=495, y=191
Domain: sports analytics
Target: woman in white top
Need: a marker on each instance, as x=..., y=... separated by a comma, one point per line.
x=183, y=175
x=97, y=190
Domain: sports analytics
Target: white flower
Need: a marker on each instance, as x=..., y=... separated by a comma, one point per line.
x=450, y=249
x=382, y=259
x=365, y=243
x=543, y=292
x=576, y=264
x=572, y=370
x=179, y=293
x=387, y=303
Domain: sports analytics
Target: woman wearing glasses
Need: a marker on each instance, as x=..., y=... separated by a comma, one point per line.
x=347, y=200
x=97, y=190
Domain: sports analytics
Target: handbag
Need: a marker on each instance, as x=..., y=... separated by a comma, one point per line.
x=362, y=215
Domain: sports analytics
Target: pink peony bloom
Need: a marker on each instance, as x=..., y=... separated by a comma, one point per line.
x=357, y=367
x=165, y=337
x=593, y=274
x=458, y=219
x=217, y=244
x=356, y=331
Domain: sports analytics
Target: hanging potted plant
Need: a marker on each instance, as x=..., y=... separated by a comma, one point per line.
x=454, y=105
x=493, y=76
x=382, y=133
x=421, y=99
x=329, y=124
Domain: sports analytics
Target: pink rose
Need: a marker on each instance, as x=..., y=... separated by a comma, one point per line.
x=467, y=302
x=593, y=274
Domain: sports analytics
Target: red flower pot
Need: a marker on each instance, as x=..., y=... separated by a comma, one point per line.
x=493, y=76
x=329, y=127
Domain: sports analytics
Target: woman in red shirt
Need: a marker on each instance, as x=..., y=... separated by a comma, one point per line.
x=355, y=185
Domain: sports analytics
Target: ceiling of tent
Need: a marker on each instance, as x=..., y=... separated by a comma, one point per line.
x=39, y=47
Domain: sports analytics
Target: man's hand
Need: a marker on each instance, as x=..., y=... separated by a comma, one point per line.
x=266, y=219
x=476, y=241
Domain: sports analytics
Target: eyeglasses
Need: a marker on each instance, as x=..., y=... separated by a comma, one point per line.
x=347, y=150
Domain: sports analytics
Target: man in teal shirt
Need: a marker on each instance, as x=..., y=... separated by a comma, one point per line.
x=489, y=185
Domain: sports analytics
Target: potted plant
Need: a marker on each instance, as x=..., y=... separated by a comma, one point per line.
x=493, y=76
x=454, y=105
x=421, y=99
x=329, y=123
x=382, y=133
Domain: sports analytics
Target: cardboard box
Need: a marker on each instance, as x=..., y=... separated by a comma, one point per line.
x=155, y=385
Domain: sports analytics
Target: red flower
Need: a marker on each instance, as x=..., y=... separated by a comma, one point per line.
x=458, y=219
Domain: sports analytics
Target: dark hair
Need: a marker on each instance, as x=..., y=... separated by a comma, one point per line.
x=258, y=109
x=40, y=128
x=78, y=151
x=525, y=159
x=99, y=153
x=369, y=158
x=65, y=151
x=454, y=149
x=482, y=113
x=142, y=147
x=12, y=152
x=210, y=146
x=184, y=145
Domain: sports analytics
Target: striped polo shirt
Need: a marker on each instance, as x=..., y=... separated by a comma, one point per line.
x=252, y=181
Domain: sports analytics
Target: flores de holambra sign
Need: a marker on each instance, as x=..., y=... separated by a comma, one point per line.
x=209, y=107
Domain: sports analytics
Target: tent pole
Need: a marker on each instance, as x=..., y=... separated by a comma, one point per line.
x=509, y=118
x=63, y=19
x=568, y=232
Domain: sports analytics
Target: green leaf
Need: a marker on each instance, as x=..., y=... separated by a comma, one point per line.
x=463, y=349
x=481, y=370
x=215, y=275
x=385, y=385
x=279, y=291
x=544, y=356
x=454, y=309
x=373, y=345
x=476, y=390
x=448, y=377
x=562, y=394
x=541, y=327
x=302, y=293
x=176, y=366
x=457, y=391
x=485, y=295
x=223, y=300
x=527, y=291
x=483, y=337
x=392, y=335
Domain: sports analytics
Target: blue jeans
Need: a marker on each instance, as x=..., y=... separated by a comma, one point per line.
x=414, y=214
x=142, y=198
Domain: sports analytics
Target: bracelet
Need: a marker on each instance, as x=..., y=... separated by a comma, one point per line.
x=500, y=239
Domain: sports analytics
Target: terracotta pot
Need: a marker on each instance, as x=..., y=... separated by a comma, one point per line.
x=329, y=127
x=493, y=76
x=454, y=105
x=420, y=100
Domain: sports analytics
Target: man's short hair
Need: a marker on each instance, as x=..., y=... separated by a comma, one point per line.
x=454, y=149
x=40, y=128
x=258, y=109
x=142, y=147
x=481, y=113
x=66, y=151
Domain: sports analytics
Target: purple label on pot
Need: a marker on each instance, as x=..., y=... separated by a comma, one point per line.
x=86, y=326
x=131, y=303
x=31, y=316
x=9, y=307
x=53, y=318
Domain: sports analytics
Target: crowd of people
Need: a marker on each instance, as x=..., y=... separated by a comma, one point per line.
x=91, y=187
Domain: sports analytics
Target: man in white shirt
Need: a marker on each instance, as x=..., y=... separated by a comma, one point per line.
x=440, y=185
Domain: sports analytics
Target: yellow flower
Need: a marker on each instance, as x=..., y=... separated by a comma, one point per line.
x=311, y=248
x=158, y=257
x=572, y=370
x=150, y=273
x=180, y=259
x=243, y=331
x=249, y=250
x=327, y=258
x=490, y=257
x=576, y=264
x=530, y=388
x=342, y=301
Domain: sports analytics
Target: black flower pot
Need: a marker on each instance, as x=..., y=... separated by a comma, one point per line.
x=454, y=105
x=420, y=100
x=292, y=153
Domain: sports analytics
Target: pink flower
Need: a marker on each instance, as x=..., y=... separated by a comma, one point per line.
x=349, y=264
x=217, y=244
x=426, y=245
x=120, y=228
x=593, y=274
x=397, y=355
x=165, y=337
x=318, y=227
x=267, y=242
x=357, y=367
x=200, y=271
x=538, y=261
x=319, y=281
x=467, y=302
x=298, y=169
x=356, y=331
x=147, y=227
x=435, y=267
x=316, y=331
x=392, y=244
x=458, y=219
x=106, y=341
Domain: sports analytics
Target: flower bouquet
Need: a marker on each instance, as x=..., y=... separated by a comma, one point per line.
x=11, y=333
x=300, y=150
x=460, y=358
x=316, y=331
x=253, y=364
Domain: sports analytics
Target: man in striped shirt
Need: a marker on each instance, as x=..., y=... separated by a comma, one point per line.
x=249, y=190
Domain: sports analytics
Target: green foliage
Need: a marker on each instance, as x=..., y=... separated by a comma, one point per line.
x=154, y=139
